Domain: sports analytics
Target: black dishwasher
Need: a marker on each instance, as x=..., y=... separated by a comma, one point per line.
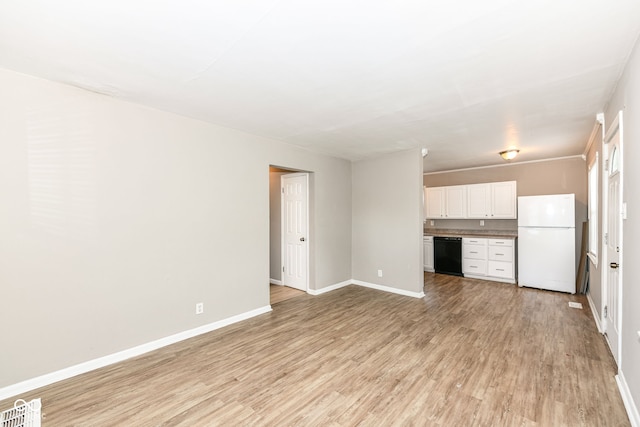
x=447, y=253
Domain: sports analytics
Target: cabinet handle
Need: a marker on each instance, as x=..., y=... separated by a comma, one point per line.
x=500, y=269
x=499, y=254
x=473, y=252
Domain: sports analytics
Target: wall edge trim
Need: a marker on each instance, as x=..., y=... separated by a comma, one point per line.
x=627, y=399
x=504, y=165
x=388, y=289
x=594, y=312
x=329, y=288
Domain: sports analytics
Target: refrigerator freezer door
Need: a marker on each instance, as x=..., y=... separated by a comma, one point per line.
x=546, y=258
x=546, y=211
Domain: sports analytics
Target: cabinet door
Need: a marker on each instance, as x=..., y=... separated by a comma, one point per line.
x=503, y=200
x=428, y=255
x=456, y=201
x=478, y=201
x=435, y=202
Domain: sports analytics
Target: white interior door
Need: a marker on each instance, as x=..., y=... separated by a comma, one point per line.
x=613, y=240
x=295, y=238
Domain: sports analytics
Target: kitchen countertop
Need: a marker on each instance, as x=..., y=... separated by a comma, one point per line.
x=471, y=233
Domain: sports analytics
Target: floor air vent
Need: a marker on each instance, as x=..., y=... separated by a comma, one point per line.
x=23, y=414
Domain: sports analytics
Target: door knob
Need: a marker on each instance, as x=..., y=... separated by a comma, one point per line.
x=302, y=239
x=614, y=265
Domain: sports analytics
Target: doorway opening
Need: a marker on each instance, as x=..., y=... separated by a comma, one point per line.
x=289, y=233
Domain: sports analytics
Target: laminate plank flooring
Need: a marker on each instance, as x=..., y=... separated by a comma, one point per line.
x=282, y=293
x=470, y=353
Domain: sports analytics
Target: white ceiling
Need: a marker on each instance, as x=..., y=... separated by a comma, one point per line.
x=350, y=78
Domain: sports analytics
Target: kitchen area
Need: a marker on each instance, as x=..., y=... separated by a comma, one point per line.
x=480, y=253
x=519, y=230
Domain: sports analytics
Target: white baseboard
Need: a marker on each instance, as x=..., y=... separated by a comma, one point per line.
x=629, y=404
x=329, y=288
x=388, y=289
x=366, y=285
x=594, y=312
x=72, y=371
x=275, y=282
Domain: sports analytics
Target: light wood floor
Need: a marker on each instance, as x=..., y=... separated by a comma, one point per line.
x=471, y=353
x=282, y=293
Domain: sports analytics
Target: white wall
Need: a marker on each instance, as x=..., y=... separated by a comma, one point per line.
x=387, y=220
x=116, y=219
x=627, y=98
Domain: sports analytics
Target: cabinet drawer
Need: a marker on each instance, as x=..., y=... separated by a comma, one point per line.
x=496, y=253
x=474, y=251
x=503, y=270
x=501, y=242
x=474, y=266
x=474, y=241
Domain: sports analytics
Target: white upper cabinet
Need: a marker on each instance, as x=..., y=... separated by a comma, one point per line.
x=456, y=201
x=495, y=200
x=446, y=202
x=435, y=201
x=503, y=200
x=479, y=201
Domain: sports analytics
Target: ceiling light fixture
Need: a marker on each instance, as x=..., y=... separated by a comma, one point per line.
x=509, y=154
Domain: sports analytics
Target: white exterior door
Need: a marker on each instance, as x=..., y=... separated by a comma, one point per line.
x=613, y=240
x=295, y=238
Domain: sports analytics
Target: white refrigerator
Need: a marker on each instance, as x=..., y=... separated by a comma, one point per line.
x=546, y=242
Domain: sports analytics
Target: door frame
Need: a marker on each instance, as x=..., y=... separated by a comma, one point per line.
x=282, y=226
x=616, y=126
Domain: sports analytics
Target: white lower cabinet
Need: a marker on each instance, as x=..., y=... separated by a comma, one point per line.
x=428, y=254
x=474, y=257
x=489, y=259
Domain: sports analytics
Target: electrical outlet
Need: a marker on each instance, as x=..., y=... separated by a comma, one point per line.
x=482, y=223
x=200, y=308
x=379, y=273
x=432, y=222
